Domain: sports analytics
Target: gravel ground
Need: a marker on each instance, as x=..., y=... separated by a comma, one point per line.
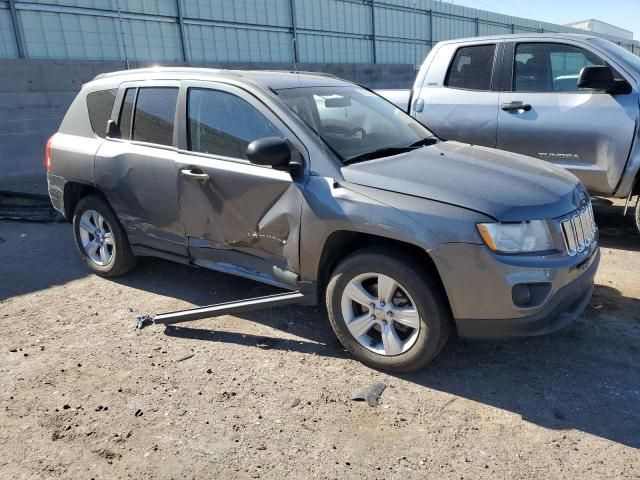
x=267, y=394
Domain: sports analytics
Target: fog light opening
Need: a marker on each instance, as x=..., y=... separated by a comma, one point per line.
x=529, y=295
x=521, y=295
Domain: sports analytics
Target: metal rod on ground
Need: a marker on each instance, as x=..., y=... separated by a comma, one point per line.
x=227, y=308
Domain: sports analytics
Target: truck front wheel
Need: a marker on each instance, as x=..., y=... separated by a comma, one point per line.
x=387, y=310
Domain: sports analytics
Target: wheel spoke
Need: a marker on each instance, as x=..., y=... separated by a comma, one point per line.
x=390, y=340
x=104, y=254
x=386, y=287
x=92, y=248
x=87, y=226
x=100, y=221
x=407, y=316
x=357, y=293
x=359, y=326
x=108, y=238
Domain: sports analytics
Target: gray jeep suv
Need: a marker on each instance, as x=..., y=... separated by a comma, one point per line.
x=312, y=183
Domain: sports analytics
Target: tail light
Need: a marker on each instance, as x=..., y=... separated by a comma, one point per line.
x=48, y=153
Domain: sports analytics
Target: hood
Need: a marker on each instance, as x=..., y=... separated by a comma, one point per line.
x=504, y=185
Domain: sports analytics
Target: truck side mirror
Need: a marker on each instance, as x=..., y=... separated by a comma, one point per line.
x=113, y=130
x=597, y=77
x=270, y=151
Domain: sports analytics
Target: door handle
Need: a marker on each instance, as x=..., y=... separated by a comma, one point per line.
x=195, y=173
x=515, y=106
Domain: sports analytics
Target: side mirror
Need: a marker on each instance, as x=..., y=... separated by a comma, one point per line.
x=271, y=151
x=597, y=77
x=113, y=130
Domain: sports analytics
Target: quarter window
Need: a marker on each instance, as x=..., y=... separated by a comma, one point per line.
x=154, y=115
x=99, y=105
x=221, y=123
x=550, y=67
x=471, y=68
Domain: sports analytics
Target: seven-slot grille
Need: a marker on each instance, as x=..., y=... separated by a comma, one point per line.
x=579, y=230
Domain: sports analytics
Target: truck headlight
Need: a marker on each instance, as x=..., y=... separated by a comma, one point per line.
x=517, y=237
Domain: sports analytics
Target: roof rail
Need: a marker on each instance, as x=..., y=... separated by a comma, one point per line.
x=158, y=70
x=301, y=72
x=203, y=70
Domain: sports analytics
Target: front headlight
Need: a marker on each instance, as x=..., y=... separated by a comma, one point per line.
x=517, y=237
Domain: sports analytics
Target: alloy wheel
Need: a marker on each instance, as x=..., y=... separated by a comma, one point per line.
x=380, y=314
x=96, y=237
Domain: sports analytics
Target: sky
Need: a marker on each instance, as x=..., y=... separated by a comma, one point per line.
x=621, y=13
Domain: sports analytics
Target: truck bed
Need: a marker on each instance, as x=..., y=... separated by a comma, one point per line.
x=398, y=97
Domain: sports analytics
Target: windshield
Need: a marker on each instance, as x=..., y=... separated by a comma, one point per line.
x=356, y=123
x=631, y=60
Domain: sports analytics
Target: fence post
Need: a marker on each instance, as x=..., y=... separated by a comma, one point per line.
x=430, y=28
x=477, y=22
x=294, y=31
x=124, y=43
x=183, y=43
x=373, y=31
x=17, y=30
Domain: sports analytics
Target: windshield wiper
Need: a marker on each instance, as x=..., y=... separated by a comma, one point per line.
x=388, y=151
x=381, y=152
x=423, y=142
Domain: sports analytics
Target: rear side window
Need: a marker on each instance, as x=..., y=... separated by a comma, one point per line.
x=221, y=123
x=99, y=105
x=471, y=68
x=154, y=115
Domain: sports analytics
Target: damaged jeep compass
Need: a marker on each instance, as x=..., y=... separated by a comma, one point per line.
x=321, y=187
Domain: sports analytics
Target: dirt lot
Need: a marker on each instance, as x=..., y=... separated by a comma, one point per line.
x=85, y=395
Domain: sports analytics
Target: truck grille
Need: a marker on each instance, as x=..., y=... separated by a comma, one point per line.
x=579, y=230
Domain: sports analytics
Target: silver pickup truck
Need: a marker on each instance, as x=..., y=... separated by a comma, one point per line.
x=569, y=99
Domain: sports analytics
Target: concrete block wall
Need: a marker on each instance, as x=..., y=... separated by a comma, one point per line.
x=35, y=94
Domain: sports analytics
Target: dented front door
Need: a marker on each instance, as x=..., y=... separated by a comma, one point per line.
x=238, y=217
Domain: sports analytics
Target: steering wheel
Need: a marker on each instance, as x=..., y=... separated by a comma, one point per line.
x=355, y=130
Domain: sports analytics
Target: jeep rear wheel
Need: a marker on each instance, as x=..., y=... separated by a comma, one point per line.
x=388, y=312
x=100, y=239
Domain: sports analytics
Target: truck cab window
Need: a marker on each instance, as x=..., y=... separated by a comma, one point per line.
x=471, y=68
x=550, y=67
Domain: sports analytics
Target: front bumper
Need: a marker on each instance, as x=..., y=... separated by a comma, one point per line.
x=479, y=286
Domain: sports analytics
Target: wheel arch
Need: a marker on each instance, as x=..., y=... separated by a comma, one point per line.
x=342, y=243
x=73, y=193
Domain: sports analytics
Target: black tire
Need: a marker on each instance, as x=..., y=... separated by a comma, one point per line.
x=637, y=214
x=122, y=258
x=428, y=297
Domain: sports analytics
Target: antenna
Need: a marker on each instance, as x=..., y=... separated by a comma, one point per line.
x=295, y=57
x=294, y=35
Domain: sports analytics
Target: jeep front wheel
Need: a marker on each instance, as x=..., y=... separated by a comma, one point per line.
x=387, y=310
